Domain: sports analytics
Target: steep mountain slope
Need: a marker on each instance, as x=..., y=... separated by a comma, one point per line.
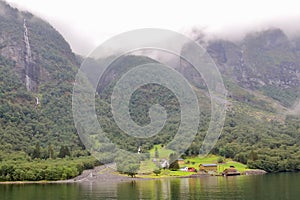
x=37, y=70
x=37, y=75
x=261, y=73
x=266, y=61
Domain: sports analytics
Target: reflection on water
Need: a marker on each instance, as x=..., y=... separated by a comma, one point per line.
x=273, y=186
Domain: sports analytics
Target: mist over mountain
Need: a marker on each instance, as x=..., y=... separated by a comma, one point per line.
x=266, y=61
x=260, y=72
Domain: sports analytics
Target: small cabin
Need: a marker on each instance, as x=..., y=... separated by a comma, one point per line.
x=208, y=167
x=232, y=171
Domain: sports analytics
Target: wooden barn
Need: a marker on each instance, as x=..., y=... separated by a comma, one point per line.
x=208, y=167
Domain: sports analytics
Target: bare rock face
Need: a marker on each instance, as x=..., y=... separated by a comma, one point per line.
x=12, y=48
x=266, y=61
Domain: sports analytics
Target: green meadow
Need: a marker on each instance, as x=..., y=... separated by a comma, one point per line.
x=148, y=166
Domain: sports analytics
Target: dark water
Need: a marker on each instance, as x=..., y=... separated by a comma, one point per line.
x=272, y=186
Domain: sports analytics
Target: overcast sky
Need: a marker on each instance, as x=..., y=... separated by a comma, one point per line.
x=85, y=24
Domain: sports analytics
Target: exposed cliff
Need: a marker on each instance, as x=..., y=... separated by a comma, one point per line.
x=265, y=61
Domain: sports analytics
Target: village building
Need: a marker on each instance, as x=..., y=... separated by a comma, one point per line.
x=232, y=171
x=208, y=168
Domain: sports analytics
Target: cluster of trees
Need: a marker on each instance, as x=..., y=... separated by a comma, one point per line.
x=49, y=153
x=129, y=164
x=272, y=146
x=38, y=142
x=23, y=125
x=36, y=170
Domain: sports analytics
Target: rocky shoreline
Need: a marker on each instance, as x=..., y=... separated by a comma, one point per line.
x=102, y=173
x=254, y=172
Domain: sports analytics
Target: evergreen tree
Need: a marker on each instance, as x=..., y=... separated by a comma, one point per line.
x=174, y=166
x=156, y=154
x=64, y=151
x=253, y=156
x=37, y=151
x=157, y=171
x=50, y=151
x=173, y=162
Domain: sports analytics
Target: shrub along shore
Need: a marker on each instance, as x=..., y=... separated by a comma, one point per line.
x=50, y=170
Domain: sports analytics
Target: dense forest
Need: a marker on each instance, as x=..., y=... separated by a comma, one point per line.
x=39, y=141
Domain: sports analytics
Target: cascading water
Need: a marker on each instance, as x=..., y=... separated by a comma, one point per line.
x=31, y=70
x=27, y=56
x=26, y=40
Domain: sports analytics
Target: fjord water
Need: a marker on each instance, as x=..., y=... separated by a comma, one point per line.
x=271, y=186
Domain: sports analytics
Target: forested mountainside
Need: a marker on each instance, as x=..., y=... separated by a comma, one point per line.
x=37, y=73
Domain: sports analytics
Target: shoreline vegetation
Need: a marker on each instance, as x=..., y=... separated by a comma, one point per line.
x=108, y=173
x=88, y=169
x=41, y=170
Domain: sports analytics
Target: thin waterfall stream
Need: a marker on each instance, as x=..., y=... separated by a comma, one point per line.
x=31, y=72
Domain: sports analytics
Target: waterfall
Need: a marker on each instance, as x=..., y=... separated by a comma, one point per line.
x=28, y=58
x=31, y=70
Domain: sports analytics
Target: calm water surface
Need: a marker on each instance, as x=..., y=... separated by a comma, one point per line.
x=272, y=186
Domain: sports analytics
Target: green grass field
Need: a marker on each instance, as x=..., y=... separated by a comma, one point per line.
x=213, y=159
x=162, y=152
x=147, y=167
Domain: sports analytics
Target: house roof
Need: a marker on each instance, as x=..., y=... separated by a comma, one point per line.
x=230, y=170
x=209, y=165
